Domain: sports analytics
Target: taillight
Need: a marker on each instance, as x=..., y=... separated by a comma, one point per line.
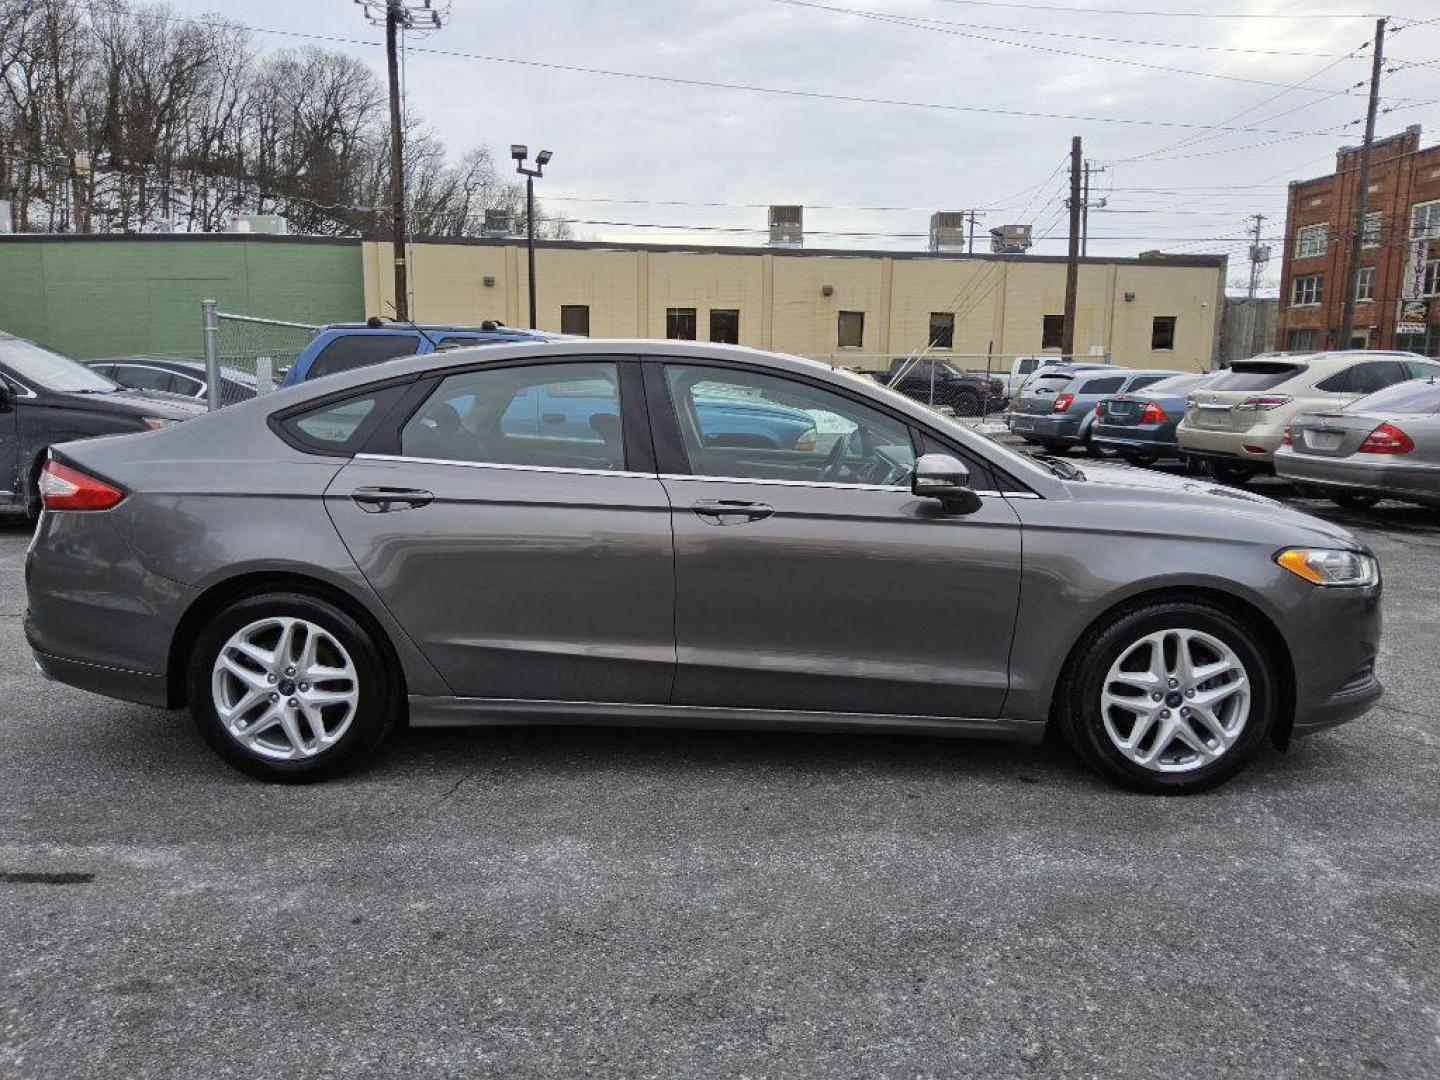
x=1285, y=439
x=1153, y=414
x=1264, y=402
x=64, y=488
x=1062, y=403
x=1387, y=439
x=1098, y=410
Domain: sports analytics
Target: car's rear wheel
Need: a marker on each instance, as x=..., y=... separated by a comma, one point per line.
x=1169, y=699
x=1142, y=460
x=290, y=688
x=1227, y=473
x=1054, y=446
x=1354, y=500
x=966, y=403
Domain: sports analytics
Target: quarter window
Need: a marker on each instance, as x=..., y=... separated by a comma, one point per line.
x=1365, y=378
x=1311, y=240
x=753, y=426
x=564, y=416
x=340, y=427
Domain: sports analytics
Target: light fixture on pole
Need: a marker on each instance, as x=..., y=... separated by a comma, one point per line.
x=519, y=151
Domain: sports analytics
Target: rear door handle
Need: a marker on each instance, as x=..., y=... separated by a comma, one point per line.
x=382, y=500
x=730, y=511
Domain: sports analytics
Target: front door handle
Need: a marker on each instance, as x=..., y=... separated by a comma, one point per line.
x=382, y=500
x=730, y=511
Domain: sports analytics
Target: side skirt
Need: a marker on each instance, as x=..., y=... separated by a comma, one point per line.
x=427, y=711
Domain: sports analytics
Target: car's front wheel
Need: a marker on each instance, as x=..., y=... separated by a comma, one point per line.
x=1171, y=698
x=290, y=688
x=1354, y=500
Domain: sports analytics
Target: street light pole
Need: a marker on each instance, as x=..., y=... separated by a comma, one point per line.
x=520, y=152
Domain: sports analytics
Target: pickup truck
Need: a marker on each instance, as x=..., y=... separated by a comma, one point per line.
x=937, y=381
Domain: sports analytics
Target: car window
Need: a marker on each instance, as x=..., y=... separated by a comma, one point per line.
x=1108, y=385
x=140, y=377
x=1421, y=370
x=754, y=426
x=39, y=366
x=1253, y=376
x=564, y=416
x=350, y=351
x=1365, y=378
x=183, y=384
x=1414, y=396
x=340, y=426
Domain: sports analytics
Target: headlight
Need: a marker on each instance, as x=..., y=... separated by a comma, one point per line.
x=1327, y=566
x=155, y=423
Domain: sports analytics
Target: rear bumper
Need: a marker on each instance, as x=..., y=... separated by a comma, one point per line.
x=137, y=686
x=1256, y=447
x=1418, y=483
x=1145, y=440
x=1058, y=428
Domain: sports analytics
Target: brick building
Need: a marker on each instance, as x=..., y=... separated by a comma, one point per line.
x=1402, y=243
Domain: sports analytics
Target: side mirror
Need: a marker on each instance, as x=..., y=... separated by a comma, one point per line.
x=940, y=476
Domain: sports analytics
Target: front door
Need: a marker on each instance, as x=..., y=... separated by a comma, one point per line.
x=808, y=577
x=525, y=564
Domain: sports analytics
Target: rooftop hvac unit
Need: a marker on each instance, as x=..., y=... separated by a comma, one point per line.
x=265, y=224
x=787, y=226
x=1010, y=239
x=497, y=223
x=947, y=230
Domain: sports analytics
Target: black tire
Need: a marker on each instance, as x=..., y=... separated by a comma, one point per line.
x=1030, y=440
x=1227, y=473
x=1077, y=699
x=1054, y=446
x=1096, y=451
x=966, y=403
x=1354, y=500
x=1143, y=461
x=376, y=714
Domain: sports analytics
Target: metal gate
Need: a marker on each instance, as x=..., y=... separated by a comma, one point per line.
x=244, y=351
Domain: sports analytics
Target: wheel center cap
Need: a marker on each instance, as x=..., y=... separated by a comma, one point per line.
x=286, y=687
x=1173, y=698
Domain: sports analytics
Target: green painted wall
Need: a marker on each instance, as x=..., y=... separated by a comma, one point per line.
x=104, y=296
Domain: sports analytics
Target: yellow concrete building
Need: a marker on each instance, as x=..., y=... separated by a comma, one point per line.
x=855, y=306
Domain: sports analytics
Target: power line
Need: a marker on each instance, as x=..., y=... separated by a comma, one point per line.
x=1068, y=10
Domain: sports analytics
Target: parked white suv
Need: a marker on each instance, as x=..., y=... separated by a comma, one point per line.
x=1236, y=421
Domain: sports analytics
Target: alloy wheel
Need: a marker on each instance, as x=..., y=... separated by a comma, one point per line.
x=285, y=688
x=1175, y=700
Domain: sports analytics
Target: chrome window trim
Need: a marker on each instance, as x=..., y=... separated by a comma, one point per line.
x=784, y=483
x=402, y=458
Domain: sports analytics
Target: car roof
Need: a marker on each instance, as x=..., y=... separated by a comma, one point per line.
x=442, y=328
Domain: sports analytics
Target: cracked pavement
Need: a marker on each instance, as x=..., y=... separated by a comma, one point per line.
x=564, y=902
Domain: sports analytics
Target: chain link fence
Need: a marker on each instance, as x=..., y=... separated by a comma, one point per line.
x=245, y=353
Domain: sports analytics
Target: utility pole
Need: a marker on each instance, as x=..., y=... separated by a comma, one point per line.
x=1085, y=208
x=970, y=244
x=1357, y=232
x=1259, y=256
x=1256, y=259
x=398, y=15
x=1072, y=264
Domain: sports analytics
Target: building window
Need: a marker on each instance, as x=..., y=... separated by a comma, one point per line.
x=1162, y=332
x=850, y=327
x=680, y=323
x=942, y=329
x=1430, y=283
x=1306, y=340
x=1365, y=285
x=575, y=319
x=1308, y=290
x=1425, y=219
x=725, y=326
x=1311, y=240
x=1052, y=332
x=1370, y=234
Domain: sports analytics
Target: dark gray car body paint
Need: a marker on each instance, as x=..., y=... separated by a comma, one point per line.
x=222, y=496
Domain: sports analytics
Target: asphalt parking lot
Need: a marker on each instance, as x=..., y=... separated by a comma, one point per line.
x=563, y=902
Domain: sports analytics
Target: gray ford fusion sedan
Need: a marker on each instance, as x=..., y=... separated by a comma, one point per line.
x=576, y=532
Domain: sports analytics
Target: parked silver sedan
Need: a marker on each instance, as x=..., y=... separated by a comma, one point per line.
x=1385, y=446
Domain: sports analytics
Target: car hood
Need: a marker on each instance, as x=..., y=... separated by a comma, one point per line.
x=1163, y=491
x=138, y=403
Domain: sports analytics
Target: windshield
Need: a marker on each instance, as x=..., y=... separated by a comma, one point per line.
x=35, y=365
x=1416, y=396
x=1253, y=376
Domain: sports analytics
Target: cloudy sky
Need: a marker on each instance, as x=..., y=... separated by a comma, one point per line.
x=633, y=152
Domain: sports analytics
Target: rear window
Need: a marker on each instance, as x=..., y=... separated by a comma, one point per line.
x=1110, y=384
x=1177, y=384
x=1253, y=376
x=1050, y=382
x=361, y=350
x=1417, y=396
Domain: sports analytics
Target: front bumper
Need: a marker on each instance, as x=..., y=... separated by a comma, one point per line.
x=1418, y=483
x=1334, y=640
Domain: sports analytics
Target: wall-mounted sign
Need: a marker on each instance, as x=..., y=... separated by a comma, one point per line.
x=1412, y=281
x=1413, y=317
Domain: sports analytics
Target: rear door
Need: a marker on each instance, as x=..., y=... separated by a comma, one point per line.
x=813, y=579
x=526, y=565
